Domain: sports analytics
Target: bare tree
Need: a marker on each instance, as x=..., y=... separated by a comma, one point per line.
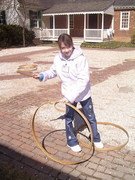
x=18, y=12
x=22, y=14
x=22, y=8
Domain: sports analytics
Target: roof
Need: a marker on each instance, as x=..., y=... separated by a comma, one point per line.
x=124, y=4
x=72, y=6
x=37, y=4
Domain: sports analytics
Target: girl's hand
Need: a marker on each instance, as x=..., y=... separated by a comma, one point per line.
x=36, y=75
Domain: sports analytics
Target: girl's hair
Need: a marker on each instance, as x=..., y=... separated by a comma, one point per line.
x=66, y=39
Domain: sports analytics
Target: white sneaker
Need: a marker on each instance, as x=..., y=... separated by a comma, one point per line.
x=75, y=148
x=98, y=145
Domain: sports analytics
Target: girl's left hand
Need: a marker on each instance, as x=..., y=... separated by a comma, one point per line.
x=36, y=75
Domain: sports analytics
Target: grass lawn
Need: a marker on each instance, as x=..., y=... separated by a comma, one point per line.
x=108, y=45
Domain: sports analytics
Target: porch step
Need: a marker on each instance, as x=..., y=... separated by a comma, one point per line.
x=78, y=41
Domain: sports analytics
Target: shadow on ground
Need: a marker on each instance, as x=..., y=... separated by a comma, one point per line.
x=16, y=166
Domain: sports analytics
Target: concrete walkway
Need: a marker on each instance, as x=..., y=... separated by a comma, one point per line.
x=113, y=91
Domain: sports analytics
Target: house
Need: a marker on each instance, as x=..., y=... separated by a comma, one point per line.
x=88, y=20
x=20, y=11
x=124, y=19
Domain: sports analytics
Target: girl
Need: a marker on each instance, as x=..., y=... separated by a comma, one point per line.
x=72, y=68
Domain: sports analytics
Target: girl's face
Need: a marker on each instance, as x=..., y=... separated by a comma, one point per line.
x=66, y=50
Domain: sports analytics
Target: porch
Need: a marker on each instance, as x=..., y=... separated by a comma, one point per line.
x=91, y=21
x=90, y=26
x=90, y=35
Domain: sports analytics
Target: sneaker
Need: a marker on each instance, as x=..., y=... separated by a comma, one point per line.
x=98, y=145
x=75, y=148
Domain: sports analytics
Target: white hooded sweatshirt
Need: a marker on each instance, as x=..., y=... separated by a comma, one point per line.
x=74, y=75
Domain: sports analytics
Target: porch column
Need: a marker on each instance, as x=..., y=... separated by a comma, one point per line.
x=84, y=36
x=113, y=23
x=102, y=31
x=53, y=26
x=68, y=16
x=98, y=21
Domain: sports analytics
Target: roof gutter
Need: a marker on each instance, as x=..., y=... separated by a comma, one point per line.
x=124, y=7
x=89, y=12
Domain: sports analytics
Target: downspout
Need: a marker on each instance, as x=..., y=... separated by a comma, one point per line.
x=84, y=35
x=53, y=26
x=68, y=16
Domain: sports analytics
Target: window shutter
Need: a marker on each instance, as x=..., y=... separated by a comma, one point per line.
x=30, y=17
x=39, y=18
x=2, y=17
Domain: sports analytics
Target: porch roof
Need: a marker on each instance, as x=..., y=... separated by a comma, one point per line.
x=78, y=7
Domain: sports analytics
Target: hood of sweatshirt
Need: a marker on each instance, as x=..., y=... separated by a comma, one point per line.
x=75, y=54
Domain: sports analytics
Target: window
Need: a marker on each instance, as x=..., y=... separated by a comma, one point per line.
x=124, y=20
x=71, y=21
x=2, y=17
x=35, y=19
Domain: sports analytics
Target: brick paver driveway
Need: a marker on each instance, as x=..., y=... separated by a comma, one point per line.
x=113, y=85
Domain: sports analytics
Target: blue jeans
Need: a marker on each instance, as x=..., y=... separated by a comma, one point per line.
x=87, y=107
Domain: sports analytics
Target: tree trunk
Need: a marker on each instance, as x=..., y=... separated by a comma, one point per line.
x=23, y=33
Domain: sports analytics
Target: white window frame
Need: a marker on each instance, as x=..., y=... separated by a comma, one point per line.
x=122, y=19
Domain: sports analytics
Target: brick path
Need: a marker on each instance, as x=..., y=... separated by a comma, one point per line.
x=19, y=152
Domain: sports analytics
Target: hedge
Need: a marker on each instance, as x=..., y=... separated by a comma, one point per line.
x=12, y=35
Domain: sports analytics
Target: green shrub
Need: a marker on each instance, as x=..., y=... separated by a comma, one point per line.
x=29, y=35
x=3, y=36
x=12, y=35
x=107, y=45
